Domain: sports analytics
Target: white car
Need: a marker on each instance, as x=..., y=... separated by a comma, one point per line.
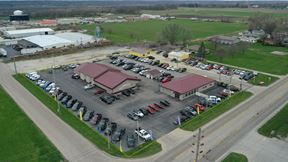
x=143, y=134
x=214, y=99
x=228, y=91
x=138, y=113
x=88, y=86
x=52, y=85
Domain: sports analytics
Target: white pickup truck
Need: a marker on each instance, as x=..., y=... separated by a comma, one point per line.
x=143, y=134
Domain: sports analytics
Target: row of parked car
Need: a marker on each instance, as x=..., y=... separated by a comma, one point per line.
x=150, y=109
x=151, y=61
x=95, y=119
x=221, y=69
x=203, y=104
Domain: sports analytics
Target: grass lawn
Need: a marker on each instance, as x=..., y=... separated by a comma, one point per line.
x=96, y=138
x=265, y=79
x=215, y=111
x=234, y=12
x=20, y=139
x=235, y=157
x=257, y=57
x=149, y=30
x=278, y=124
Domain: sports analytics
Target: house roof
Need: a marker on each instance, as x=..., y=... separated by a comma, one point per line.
x=93, y=70
x=24, y=31
x=187, y=83
x=154, y=72
x=112, y=79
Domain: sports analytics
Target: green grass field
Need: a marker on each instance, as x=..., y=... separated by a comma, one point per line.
x=215, y=111
x=278, y=124
x=150, y=30
x=233, y=12
x=265, y=79
x=20, y=139
x=68, y=117
x=257, y=57
x=235, y=157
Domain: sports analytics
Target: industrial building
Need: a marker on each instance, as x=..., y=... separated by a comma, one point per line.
x=186, y=86
x=37, y=43
x=19, y=16
x=12, y=34
x=110, y=79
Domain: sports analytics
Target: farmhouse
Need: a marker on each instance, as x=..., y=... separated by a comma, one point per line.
x=186, y=86
x=225, y=40
x=105, y=77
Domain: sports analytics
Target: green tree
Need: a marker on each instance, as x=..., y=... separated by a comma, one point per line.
x=173, y=33
x=201, y=53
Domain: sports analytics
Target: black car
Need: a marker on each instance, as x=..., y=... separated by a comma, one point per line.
x=126, y=93
x=132, y=116
x=131, y=141
x=88, y=115
x=76, y=106
x=131, y=91
x=248, y=76
x=103, y=124
x=110, y=129
x=120, y=63
x=107, y=99
x=118, y=134
x=144, y=111
x=75, y=76
x=185, y=113
x=70, y=103
x=113, y=57
x=164, y=102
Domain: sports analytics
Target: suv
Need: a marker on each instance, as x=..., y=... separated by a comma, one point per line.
x=118, y=134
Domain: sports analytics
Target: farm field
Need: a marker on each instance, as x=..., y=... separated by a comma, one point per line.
x=235, y=157
x=278, y=124
x=150, y=30
x=233, y=12
x=20, y=139
x=257, y=57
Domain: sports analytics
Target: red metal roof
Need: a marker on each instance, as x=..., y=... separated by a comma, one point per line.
x=187, y=83
x=103, y=74
x=93, y=70
x=112, y=79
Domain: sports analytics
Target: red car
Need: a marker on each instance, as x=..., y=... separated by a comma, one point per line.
x=99, y=91
x=159, y=106
x=166, y=79
x=151, y=111
x=154, y=107
x=201, y=108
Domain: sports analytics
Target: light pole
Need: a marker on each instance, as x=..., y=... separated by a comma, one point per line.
x=137, y=127
x=198, y=145
x=54, y=80
x=15, y=67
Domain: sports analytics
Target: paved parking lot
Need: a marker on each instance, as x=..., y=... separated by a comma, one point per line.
x=148, y=92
